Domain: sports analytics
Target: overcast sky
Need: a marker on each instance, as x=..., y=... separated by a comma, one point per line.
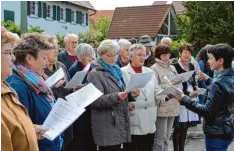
x=111, y=4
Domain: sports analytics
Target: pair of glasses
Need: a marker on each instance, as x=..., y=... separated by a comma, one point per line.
x=8, y=52
x=74, y=42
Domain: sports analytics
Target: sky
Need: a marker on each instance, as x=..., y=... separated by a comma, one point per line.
x=111, y=4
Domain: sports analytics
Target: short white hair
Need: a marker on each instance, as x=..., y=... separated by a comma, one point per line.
x=83, y=49
x=167, y=40
x=107, y=45
x=135, y=47
x=70, y=35
x=123, y=43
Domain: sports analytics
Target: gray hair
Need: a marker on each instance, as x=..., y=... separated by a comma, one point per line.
x=123, y=43
x=135, y=47
x=83, y=49
x=166, y=40
x=70, y=35
x=106, y=46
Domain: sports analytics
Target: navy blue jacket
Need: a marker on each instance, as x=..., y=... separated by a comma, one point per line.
x=38, y=108
x=219, y=108
x=64, y=57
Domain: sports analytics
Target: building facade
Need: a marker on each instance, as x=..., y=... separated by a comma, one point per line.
x=53, y=17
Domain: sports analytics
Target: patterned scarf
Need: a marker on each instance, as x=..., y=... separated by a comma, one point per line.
x=35, y=81
x=114, y=70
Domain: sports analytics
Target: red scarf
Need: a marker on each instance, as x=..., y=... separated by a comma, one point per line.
x=137, y=69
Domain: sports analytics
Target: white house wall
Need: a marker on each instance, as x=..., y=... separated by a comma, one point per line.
x=53, y=26
x=11, y=6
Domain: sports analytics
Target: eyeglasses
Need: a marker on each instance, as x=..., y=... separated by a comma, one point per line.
x=73, y=42
x=8, y=52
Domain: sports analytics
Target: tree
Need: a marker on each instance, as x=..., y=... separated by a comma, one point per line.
x=97, y=31
x=11, y=26
x=209, y=22
x=35, y=29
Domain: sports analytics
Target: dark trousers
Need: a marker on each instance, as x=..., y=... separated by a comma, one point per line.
x=110, y=148
x=140, y=143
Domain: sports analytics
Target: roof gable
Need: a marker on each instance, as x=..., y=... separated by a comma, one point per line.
x=129, y=22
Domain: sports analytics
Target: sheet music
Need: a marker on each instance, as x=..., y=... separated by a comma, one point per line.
x=199, y=91
x=138, y=80
x=183, y=77
x=85, y=95
x=62, y=115
x=77, y=79
x=52, y=80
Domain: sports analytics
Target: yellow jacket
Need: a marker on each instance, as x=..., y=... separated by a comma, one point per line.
x=18, y=133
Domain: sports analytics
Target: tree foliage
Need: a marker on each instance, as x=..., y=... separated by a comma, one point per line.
x=97, y=31
x=11, y=26
x=35, y=29
x=209, y=22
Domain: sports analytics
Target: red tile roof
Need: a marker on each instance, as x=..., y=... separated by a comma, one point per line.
x=178, y=5
x=102, y=13
x=129, y=22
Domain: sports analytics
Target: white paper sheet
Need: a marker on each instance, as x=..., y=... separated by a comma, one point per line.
x=200, y=91
x=183, y=77
x=138, y=80
x=86, y=68
x=62, y=115
x=52, y=80
x=170, y=90
x=77, y=79
x=85, y=95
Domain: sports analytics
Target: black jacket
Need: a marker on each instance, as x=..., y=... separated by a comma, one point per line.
x=219, y=108
x=64, y=57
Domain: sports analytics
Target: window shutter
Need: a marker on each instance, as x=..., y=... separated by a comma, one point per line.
x=44, y=10
x=58, y=13
x=39, y=9
x=28, y=3
x=87, y=19
x=9, y=15
x=82, y=18
x=68, y=15
x=77, y=17
x=54, y=12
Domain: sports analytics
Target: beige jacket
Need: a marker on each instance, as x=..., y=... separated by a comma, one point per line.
x=171, y=107
x=18, y=133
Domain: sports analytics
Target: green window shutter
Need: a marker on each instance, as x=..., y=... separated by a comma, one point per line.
x=54, y=12
x=80, y=18
x=44, y=10
x=9, y=15
x=28, y=8
x=39, y=9
x=68, y=15
x=77, y=17
x=58, y=13
x=87, y=19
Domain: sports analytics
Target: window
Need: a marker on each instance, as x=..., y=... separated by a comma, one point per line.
x=72, y=16
x=9, y=15
x=62, y=14
x=49, y=11
x=32, y=8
